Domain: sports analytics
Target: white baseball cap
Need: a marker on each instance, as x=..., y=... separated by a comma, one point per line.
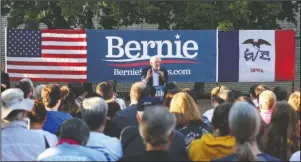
x=13, y=99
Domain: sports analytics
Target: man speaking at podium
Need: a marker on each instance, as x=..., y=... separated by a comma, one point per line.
x=155, y=75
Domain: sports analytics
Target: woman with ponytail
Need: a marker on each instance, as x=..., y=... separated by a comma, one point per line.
x=244, y=123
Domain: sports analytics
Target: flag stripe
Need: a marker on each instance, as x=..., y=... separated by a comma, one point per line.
x=55, y=43
x=48, y=55
x=64, y=51
x=64, y=35
x=41, y=67
x=285, y=55
x=63, y=76
x=46, y=72
x=58, y=47
x=62, y=31
x=49, y=79
x=45, y=60
x=228, y=55
x=63, y=39
x=45, y=63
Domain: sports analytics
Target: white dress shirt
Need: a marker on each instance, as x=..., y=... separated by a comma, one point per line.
x=156, y=80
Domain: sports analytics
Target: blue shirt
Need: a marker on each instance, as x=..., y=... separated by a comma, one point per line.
x=54, y=120
x=110, y=146
x=67, y=152
x=20, y=144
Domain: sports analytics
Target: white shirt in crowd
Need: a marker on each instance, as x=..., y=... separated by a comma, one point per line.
x=51, y=138
x=209, y=114
x=121, y=103
x=295, y=156
x=110, y=146
x=155, y=78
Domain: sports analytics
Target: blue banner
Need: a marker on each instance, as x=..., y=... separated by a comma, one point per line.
x=188, y=56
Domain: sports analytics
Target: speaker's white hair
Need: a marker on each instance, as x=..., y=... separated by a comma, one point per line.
x=154, y=58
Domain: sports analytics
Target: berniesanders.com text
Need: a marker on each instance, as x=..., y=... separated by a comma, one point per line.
x=130, y=72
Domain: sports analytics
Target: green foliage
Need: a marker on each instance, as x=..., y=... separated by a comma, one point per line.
x=109, y=14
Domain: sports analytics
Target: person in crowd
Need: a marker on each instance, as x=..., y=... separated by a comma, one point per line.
x=169, y=86
x=30, y=82
x=218, y=95
x=253, y=94
x=263, y=127
x=281, y=93
x=189, y=121
x=295, y=156
x=4, y=79
x=68, y=101
x=26, y=88
x=105, y=90
x=244, y=123
x=77, y=91
x=127, y=117
x=115, y=96
x=51, y=98
x=64, y=92
x=294, y=101
x=154, y=75
x=262, y=131
x=156, y=128
x=245, y=99
x=37, y=92
x=281, y=139
x=191, y=93
x=18, y=143
x=37, y=117
x=169, y=96
x=218, y=144
x=73, y=136
x=94, y=113
x=267, y=102
x=132, y=143
x=258, y=90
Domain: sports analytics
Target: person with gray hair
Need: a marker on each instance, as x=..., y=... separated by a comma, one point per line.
x=38, y=91
x=154, y=75
x=18, y=143
x=73, y=136
x=133, y=142
x=157, y=131
x=94, y=113
x=244, y=123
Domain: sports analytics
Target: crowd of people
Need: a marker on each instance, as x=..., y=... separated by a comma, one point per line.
x=69, y=123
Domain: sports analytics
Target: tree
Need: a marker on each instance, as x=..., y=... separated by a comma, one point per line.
x=233, y=14
x=224, y=15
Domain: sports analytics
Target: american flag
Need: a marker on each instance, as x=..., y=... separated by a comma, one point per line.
x=47, y=55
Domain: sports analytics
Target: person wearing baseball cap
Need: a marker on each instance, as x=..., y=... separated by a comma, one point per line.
x=18, y=142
